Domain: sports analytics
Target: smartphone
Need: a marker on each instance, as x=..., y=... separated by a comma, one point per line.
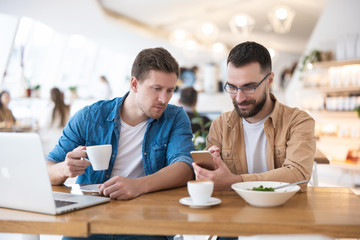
x=203, y=159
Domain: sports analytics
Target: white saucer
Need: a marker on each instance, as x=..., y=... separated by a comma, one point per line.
x=90, y=188
x=188, y=201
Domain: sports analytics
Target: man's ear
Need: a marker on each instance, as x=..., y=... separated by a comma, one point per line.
x=271, y=79
x=134, y=83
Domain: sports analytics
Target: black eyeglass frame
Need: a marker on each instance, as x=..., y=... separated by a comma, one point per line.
x=247, y=88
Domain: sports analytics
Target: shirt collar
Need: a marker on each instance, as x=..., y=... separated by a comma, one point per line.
x=115, y=113
x=275, y=113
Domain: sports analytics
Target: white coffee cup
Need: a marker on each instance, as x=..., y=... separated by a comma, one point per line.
x=99, y=156
x=200, y=191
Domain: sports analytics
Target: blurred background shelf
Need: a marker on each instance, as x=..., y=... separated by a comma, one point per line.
x=335, y=114
x=336, y=63
x=322, y=89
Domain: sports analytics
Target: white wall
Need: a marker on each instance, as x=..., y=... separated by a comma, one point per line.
x=85, y=17
x=8, y=27
x=338, y=19
x=68, y=17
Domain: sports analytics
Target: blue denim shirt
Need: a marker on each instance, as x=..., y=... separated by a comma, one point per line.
x=167, y=140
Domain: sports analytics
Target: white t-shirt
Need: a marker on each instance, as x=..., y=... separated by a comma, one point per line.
x=128, y=161
x=255, y=146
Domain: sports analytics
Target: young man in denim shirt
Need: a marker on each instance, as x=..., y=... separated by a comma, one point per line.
x=151, y=140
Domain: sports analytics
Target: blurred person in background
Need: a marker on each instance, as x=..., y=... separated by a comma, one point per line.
x=188, y=100
x=58, y=114
x=7, y=119
x=102, y=89
x=286, y=76
x=188, y=76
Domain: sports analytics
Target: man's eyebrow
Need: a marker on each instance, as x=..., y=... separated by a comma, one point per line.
x=159, y=86
x=246, y=85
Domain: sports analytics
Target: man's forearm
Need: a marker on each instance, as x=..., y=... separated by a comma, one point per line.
x=55, y=173
x=174, y=175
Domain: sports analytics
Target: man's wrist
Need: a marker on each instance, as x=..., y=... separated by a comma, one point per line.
x=235, y=179
x=241, y=179
x=142, y=185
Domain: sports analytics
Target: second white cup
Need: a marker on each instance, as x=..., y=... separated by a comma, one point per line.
x=200, y=191
x=99, y=156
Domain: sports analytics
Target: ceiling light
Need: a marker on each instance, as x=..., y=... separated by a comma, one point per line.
x=218, y=47
x=281, y=13
x=241, y=21
x=178, y=37
x=281, y=18
x=241, y=24
x=207, y=28
x=191, y=48
x=219, y=51
x=208, y=32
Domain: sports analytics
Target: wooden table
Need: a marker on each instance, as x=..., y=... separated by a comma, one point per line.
x=72, y=224
x=17, y=129
x=333, y=212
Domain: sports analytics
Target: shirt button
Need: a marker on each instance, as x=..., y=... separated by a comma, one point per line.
x=144, y=153
x=113, y=155
x=227, y=154
x=278, y=152
x=107, y=176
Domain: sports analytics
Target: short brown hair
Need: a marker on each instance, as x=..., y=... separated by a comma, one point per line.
x=249, y=52
x=158, y=59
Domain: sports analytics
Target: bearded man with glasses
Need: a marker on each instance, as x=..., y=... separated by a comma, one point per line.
x=261, y=139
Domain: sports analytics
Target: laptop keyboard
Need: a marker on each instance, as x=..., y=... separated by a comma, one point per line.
x=62, y=203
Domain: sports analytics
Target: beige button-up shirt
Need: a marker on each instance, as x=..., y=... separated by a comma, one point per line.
x=290, y=150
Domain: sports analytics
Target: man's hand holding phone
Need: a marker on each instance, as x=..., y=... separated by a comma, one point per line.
x=204, y=159
x=208, y=165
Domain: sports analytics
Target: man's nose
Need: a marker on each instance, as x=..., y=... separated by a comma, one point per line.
x=162, y=97
x=240, y=96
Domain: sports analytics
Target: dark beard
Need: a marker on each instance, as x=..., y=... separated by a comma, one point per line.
x=257, y=107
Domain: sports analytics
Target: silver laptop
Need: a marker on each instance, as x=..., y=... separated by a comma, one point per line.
x=24, y=180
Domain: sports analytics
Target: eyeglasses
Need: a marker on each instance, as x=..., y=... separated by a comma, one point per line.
x=246, y=89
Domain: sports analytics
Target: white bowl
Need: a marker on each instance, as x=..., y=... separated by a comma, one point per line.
x=264, y=199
